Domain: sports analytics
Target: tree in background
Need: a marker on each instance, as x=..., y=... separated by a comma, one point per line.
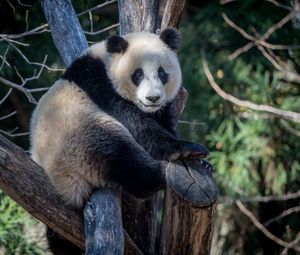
x=252, y=52
x=247, y=99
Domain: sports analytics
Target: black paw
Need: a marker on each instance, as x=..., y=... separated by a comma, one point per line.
x=189, y=150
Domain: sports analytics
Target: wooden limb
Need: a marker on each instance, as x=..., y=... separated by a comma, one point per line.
x=26, y=183
x=139, y=216
x=135, y=16
x=104, y=235
x=189, y=208
x=65, y=29
x=172, y=13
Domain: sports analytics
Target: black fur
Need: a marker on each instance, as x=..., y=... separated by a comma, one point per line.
x=134, y=163
x=171, y=37
x=137, y=76
x=61, y=246
x=151, y=131
x=163, y=76
x=144, y=174
x=116, y=44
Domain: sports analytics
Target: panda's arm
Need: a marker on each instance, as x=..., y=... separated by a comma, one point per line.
x=161, y=143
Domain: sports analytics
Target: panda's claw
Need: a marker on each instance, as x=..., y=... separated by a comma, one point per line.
x=174, y=156
x=194, y=151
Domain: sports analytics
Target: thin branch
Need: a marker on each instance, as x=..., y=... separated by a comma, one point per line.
x=12, y=133
x=266, y=232
x=38, y=30
x=96, y=7
x=241, y=50
x=289, y=128
x=8, y=115
x=237, y=28
x=6, y=96
x=263, y=199
x=102, y=30
x=286, y=7
x=276, y=26
x=261, y=41
x=35, y=63
x=4, y=61
x=293, y=116
x=285, y=213
x=18, y=87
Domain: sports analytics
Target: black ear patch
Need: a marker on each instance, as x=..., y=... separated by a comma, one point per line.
x=116, y=44
x=171, y=37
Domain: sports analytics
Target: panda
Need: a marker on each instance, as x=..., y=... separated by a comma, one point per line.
x=106, y=122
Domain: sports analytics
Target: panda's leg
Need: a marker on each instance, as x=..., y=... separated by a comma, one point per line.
x=135, y=170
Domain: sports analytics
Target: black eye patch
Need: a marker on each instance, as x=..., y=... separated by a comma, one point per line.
x=137, y=76
x=163, y=76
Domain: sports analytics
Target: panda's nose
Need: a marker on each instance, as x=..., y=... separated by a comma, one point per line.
x=153, y=99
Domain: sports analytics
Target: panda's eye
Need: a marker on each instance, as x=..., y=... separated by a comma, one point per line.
x=163, y=76
x=137, y=76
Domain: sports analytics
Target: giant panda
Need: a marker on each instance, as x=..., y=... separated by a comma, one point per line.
x=105, y=123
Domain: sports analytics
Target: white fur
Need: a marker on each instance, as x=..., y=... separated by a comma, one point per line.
x=148, y=52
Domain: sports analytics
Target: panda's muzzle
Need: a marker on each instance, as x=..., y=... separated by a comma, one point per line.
x=153, y=99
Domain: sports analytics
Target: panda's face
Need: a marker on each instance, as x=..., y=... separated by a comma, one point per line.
x=147, y=72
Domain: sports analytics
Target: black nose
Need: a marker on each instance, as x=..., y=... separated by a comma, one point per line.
x=153, y=99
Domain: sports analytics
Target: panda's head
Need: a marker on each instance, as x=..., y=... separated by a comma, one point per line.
x=144, y=67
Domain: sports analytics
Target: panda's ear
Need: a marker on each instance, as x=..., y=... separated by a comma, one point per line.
x=171, y=37
x=116, y=44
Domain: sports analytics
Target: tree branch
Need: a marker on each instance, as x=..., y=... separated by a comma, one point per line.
x=289, y=245
x=293, y=116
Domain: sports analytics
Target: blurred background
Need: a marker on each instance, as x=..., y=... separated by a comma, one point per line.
x=240, y=63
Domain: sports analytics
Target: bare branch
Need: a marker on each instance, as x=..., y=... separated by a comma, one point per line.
x=276, y=26
x=11, y=134
x=293, y=116
x=6, y=96
x=18, y=87
x=261, y=41
x=96, y=7
x=172, y=13
x=8, y=115
x=282, y=215
x=35, y=63
x=241, y=50
x=4, y=61
x=102, y=30
x=266, y=232
x=263, y=199
x=237, y=28
x=286, y=7
x=38, y=30
x=289, y=128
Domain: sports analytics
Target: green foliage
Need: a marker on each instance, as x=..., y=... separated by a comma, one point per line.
x=13, y=221
x=253, y=153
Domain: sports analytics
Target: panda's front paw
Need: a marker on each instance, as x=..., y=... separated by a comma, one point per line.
x=188, y=150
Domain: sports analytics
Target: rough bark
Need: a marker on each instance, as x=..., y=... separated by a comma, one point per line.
x=139, y=216
x=26, y=182
x=135, y=16
x=103, y=223
x=172, y=13
x=187, y=229
x=65, y=28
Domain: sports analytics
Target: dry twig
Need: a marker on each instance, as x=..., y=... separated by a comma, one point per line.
x=285, y=213
x=293, y=116
x=266, y=232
